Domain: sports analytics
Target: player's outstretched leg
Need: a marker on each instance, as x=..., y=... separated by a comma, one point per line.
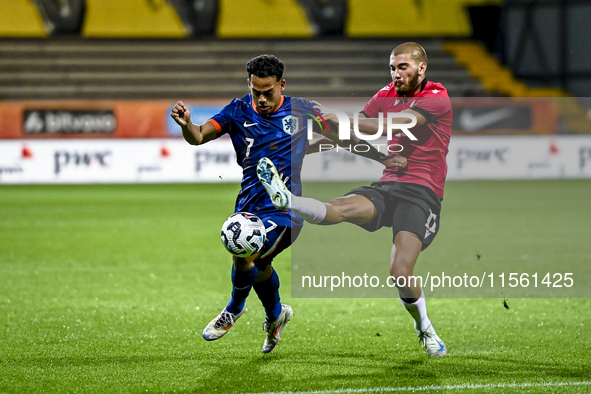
x=219, y=326
x=311, y=210
x=269, y=177
x=275, y=328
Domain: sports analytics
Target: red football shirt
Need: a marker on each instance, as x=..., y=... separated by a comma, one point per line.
x=426, y=156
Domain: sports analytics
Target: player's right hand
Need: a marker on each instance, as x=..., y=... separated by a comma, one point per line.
x=181, y=114
x=330, y=117
x=394, y=161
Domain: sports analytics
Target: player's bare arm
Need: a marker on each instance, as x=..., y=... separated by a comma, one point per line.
x=331, y=137
x=325, y=143
x=369, y=152
x=193, y=134
x=372, y=125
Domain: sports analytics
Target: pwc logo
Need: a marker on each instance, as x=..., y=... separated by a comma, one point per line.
x=65, y=159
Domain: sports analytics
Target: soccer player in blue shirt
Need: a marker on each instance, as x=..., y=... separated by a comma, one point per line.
x=264, y=123
x=269, y=134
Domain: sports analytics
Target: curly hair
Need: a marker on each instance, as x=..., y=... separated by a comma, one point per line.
x=264, y=66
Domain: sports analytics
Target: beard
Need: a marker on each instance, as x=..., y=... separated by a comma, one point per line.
x=413, y=82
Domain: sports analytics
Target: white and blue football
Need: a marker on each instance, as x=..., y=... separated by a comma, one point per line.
x=243, y=234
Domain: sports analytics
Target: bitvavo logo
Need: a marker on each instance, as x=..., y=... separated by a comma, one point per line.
x=345, y=130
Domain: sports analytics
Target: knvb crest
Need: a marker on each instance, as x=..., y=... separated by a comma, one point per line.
x=291, y=124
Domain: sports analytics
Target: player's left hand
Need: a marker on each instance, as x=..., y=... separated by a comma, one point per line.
x=395, y=161
x=318, y=106
x=328, y=116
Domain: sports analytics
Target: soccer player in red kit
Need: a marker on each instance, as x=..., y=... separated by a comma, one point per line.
x=406, y=199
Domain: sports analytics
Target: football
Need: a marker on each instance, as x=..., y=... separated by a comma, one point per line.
x=243, y=234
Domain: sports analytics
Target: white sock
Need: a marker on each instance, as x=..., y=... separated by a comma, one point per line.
x=310, y=209
x=418, y=311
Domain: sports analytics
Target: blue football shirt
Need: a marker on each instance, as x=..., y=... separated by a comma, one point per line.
x=281, y=136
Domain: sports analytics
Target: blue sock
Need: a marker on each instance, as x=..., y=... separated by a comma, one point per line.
x=268, y=292
x=242, y=281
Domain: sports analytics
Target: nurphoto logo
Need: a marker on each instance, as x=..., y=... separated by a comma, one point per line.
x=345, y=130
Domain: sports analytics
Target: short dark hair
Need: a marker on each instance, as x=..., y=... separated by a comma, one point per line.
x=264, y=66
x=417, y=52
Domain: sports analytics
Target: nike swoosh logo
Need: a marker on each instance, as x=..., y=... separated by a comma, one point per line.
x=246, y=124
x=471, y=122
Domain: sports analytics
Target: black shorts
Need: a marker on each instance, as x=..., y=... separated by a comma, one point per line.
x=404, y=207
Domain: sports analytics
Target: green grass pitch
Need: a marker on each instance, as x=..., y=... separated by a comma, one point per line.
x=106, y=289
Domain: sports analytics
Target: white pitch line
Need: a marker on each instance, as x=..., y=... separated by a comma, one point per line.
x=435, y=388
